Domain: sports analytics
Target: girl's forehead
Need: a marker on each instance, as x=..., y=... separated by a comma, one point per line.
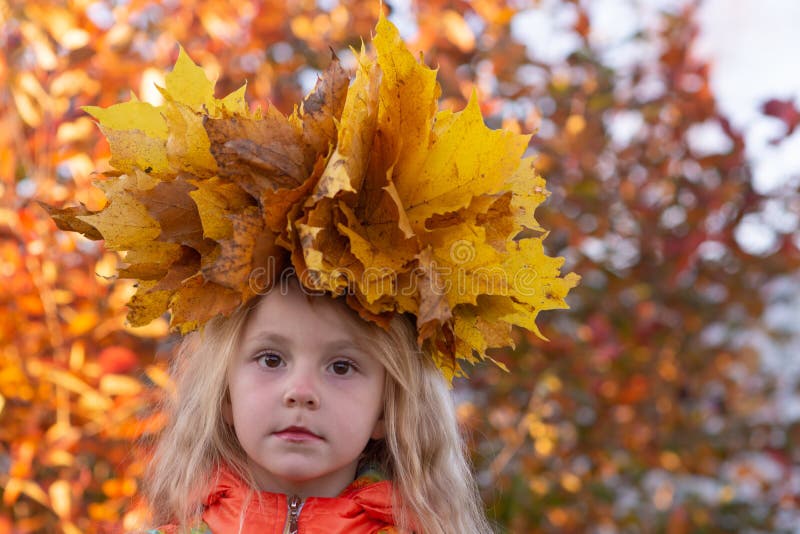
x=291, y=310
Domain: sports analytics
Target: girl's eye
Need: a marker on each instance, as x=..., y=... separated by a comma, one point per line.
x=269, y=360
x=342, y=367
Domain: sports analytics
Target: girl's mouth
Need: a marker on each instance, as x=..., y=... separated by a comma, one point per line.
x=297, y=434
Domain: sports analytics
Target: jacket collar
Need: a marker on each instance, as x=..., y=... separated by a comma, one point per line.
x=366, y=501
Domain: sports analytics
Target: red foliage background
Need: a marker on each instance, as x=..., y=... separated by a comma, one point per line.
x=650, y=410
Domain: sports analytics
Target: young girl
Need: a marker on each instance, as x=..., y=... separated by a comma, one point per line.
x=295, y=415
x=322, y=414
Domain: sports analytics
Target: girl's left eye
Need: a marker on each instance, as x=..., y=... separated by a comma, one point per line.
x=342, y=367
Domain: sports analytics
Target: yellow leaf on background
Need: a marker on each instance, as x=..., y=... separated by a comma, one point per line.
x=94, y=402
x=159, y=377
x=61, y=498
x=33, y=490
x=12, y=490
x=27, y=108
x=113, y=384
x=533, y=283
x=523, y=315
x=106, y=511
x=189, y=85
x=62, y=434
x=156, y=329
x=58, y=458
x=82, y=322
x=119, y=487
x=458, y=31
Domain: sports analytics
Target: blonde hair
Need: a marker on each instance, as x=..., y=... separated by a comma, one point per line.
x=423, y=452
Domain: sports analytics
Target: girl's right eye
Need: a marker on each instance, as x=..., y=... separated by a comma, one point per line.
x=269, y=360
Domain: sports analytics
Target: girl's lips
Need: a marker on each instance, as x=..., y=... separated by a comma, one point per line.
x=295, y=433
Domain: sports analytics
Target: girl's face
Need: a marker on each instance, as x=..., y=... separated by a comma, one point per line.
x=305, y=394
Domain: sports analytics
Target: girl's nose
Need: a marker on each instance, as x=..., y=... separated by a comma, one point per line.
x=301, y=393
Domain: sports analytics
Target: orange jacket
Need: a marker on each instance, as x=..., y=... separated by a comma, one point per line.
x=364, y=507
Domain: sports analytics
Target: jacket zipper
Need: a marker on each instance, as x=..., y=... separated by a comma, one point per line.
x=295, y=503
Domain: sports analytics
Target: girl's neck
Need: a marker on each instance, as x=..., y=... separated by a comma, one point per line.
x=328, y=486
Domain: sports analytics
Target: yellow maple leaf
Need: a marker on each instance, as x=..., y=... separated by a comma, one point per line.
x=460, y=163
x=124, y=223
x=529, y=191
x=199, y=300
x=188, y=83
x=150, y=261
x=188, y=146
x=132, y=115
x=147, y=304
x=408, y=101
x=216, y=200
x=481, y=327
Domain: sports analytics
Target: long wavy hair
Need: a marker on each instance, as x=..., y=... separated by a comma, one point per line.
x=423, y=452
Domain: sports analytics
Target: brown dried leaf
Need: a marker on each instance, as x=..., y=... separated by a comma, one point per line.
x=266, y=152
x=67, y=219
x=321, y=108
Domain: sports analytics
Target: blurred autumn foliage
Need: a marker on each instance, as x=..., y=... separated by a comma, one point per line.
x=650, y=410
